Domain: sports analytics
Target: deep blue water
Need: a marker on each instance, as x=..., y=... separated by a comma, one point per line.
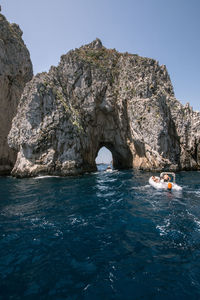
x=99, y=236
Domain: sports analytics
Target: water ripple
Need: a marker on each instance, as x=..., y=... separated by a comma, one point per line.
x=104, y=235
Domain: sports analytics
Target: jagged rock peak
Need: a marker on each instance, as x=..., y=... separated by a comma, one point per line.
x=9, y=29
x=96, y=44
x=99, y=97
x=17, y=29
x=15, y=71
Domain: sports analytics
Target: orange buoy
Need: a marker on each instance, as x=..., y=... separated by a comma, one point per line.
x=169, y=185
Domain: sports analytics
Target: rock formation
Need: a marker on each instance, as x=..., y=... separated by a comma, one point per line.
x=99, y=97
x=15, y=71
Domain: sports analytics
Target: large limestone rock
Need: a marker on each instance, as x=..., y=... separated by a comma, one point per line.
x=15, y=71
x=98, y=97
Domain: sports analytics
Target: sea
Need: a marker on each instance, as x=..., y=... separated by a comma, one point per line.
x=100, y=236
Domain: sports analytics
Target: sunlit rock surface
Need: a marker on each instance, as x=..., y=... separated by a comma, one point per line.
x=15, y=71
x=99, y=97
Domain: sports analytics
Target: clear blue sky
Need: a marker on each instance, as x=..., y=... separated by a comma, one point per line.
x=166, y=30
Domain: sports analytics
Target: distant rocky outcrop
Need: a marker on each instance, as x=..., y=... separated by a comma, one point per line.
x=99, y=97
x=15, y=71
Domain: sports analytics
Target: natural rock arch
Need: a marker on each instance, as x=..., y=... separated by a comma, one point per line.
x=121, y=156
x=99, y=97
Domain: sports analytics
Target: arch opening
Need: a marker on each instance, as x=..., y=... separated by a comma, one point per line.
x=104, y=158
x=120, y=157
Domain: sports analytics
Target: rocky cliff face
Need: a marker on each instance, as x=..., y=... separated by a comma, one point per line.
x=99, y=97
x=15, y=71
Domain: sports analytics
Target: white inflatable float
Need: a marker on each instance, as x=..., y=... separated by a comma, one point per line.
x=166, y=184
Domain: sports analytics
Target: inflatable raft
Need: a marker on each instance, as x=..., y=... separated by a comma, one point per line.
x=109, y=169
x=161, y=183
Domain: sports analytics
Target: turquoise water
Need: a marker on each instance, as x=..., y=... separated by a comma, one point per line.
x=99, y=236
